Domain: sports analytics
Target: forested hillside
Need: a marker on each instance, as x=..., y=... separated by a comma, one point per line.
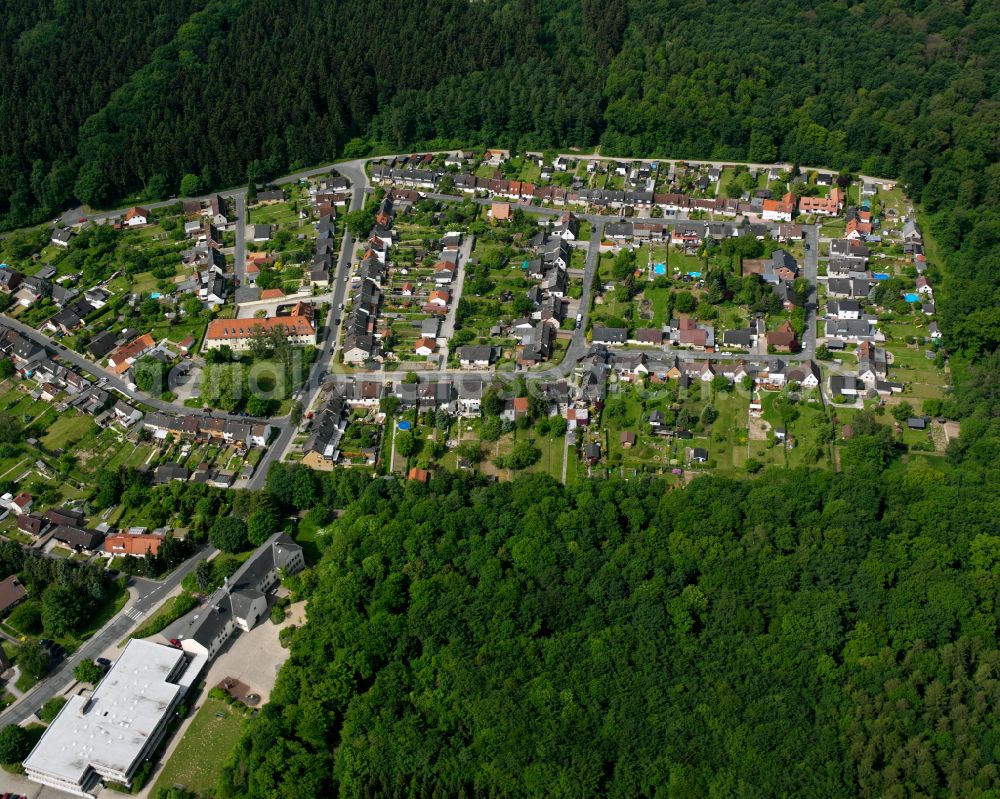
x=102, y=98
x=801, y=634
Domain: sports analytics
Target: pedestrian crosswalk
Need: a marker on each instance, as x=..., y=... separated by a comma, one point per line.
x=135, y=614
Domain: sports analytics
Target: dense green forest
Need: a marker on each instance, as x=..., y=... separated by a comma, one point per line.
x=797, y=634
x=101, y=99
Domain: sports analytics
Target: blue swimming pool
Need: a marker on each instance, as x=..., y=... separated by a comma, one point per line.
x=659, y=269
x=880, y=275
x=404, y=425
x=694, y=274
x=154, y=295
x=911, y=297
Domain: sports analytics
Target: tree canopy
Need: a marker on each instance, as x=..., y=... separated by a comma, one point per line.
x=796, y=633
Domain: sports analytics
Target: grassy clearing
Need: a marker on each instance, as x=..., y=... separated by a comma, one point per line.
x=66, y=430
x=197, y=762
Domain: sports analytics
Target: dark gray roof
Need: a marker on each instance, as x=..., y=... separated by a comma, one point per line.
x=473, y=352
x=613, y=335
x=77, y=537
x=102, y=344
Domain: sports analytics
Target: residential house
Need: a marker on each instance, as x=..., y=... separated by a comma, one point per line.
x=850, y=329
x=911, y=232
x=652, y=336
x=136, y=216
x=78, y=538
x=22, y=503
x=359, y=348
x=500, y=213
x=32, y=524
x=121, y=360
x=322, y=448
x=567, y=227
x=61, y=236
x=138, y=544
x=425, y=347
x=476, y=357
x=12, y=593
x=102, y=344
x=168, y=472
x=783, y=339
x=9, y=279
x=259, y=233
x=218, y=211
x=609, y=335
x=806, y=374
x=781, y=268
x=844, y=309
x=270, y=196
x=777, y=211
x=470, y=394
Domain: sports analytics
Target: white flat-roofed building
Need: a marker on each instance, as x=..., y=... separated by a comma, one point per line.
x=108, y=735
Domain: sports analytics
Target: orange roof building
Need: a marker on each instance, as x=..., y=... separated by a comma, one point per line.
x=439, y=297
x=823, y=206
x=297, y=326
x=777, y=211
x=127, y=354
x=138, y=545
x=272, y=294
x=500, y=212
x=425, y=346
x=136, y=216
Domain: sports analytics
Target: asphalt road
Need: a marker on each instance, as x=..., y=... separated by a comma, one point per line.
x=240, y=251
x=150, y=593
x=810, y=267
x=354, y=171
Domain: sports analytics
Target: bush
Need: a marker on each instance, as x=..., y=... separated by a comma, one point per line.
x=88, y=671
x=278, y=611
x=229, y=534
x=51, y=708
x=32, y=660
x=27, y=617
x=15, y=744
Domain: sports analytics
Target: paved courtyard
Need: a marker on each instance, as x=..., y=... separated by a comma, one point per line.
x=253, y=658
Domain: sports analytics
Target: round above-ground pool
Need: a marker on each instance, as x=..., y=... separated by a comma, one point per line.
x=911, y=297
x=880, y=275
x=659, y=269
x=404, y=425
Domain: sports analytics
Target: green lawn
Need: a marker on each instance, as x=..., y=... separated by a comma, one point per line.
x=66, y=430
x=553, y=452
x=199, y=757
